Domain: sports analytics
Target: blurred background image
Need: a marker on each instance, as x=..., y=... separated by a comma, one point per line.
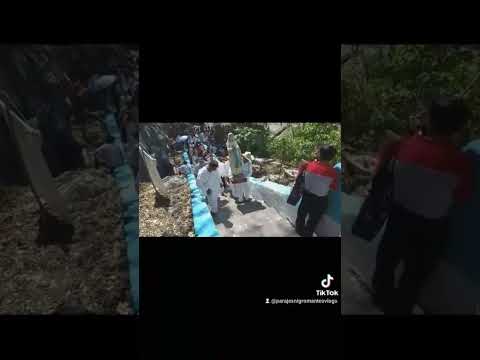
x=69, y=203
x=411, y=161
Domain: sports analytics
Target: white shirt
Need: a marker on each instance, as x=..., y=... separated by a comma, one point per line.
x=208, y=180
x=222, y=168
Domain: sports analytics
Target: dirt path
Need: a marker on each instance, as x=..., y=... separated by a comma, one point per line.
x=91, y=277
x=165, y=216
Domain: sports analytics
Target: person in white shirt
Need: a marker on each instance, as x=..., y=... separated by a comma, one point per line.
x=244, y=189
x=208, y=181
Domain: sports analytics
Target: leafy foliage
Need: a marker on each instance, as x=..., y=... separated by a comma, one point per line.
x=383, y=86
x=300, y=142
x=253, y=139
x=296, y=143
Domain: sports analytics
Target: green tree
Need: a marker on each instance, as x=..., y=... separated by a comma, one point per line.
x=253, y=139
x=382, y=87
x=300, y=142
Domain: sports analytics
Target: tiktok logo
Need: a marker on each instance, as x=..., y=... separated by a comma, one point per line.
x=327, y=282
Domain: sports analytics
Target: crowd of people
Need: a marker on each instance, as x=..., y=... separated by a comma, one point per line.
x=212, y=165
x=116, y=93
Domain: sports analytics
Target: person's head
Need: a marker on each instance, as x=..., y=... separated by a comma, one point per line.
x=447, y=116
x=212, y=165
x=325, y=152
x=248, y=155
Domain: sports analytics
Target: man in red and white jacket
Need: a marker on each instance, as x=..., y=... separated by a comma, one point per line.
x=430, y=175
x=320, y=178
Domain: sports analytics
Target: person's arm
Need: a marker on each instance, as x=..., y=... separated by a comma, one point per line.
x=302, y=167
x=387, y=151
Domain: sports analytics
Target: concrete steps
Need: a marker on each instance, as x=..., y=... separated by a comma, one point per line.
x=252, y=219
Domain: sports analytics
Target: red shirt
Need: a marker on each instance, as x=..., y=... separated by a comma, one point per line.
x=429, y=170
x=320, y=177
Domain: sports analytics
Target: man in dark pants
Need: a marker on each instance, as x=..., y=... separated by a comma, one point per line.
x=418, y=245
x=319, y=178
x=430, y=175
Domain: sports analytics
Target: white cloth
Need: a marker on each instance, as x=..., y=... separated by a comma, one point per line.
x=235, y=190
x=243, y=191
x=228, y=170
x=247, y=168
x=212, y=200
x=231, y=142
x=29, y=143
x=223, y=168
x=210, y=180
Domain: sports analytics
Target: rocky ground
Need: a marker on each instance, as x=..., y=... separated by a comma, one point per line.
x=169, y=214
x=269, y=169
x=90, y=277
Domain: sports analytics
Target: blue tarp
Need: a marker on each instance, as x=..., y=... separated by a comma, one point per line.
x=202, y=219
x=129, y=199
